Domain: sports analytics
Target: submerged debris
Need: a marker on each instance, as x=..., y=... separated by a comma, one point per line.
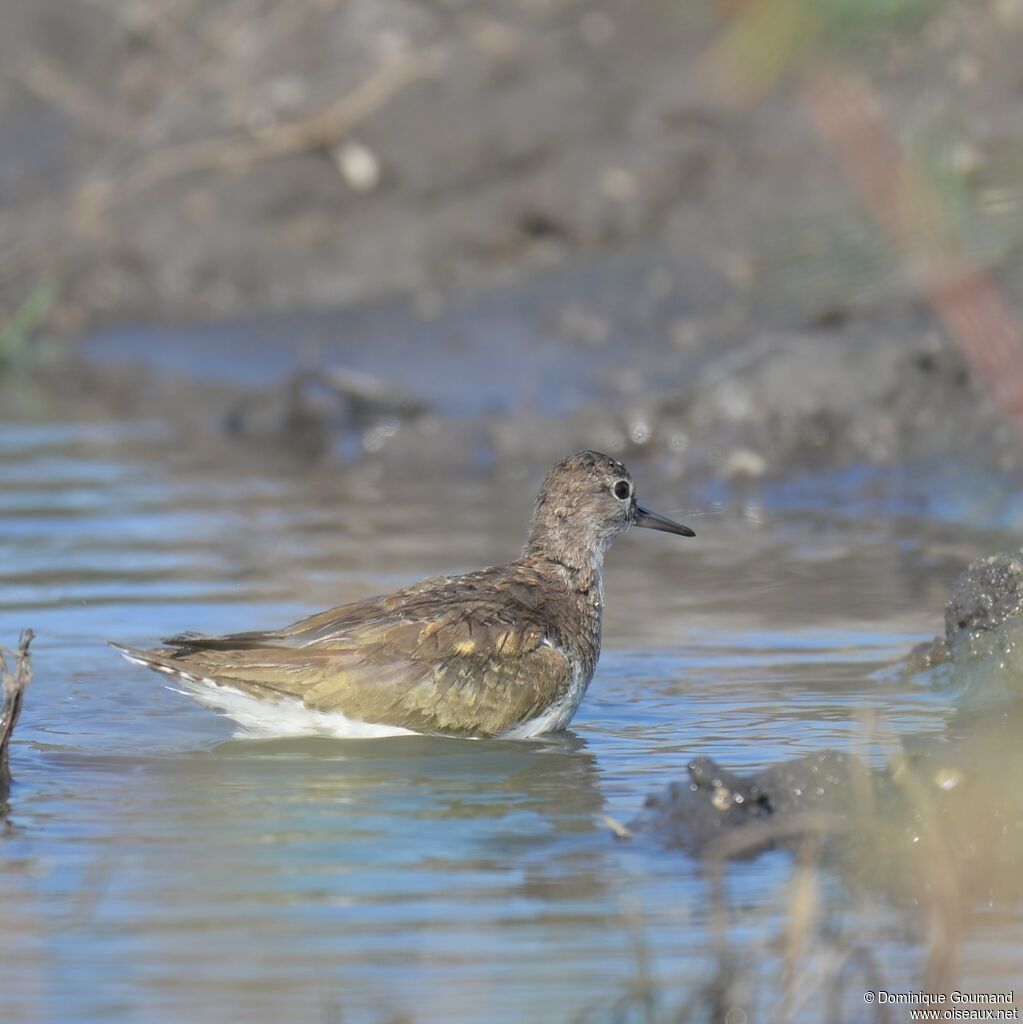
x=14, y=685
x=312, y=409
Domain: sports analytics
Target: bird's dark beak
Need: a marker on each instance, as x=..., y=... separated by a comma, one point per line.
x=652, y=521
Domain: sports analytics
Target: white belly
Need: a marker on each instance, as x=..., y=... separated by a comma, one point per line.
x=284, y=716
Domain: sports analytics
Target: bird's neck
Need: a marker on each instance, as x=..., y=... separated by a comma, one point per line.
x=581, y=565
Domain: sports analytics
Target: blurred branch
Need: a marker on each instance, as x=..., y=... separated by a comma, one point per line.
x=239, y=150
x=14, y=685
x=848, y=117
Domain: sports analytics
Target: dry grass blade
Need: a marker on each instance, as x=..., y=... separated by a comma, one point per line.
x=617, y=828
x=726, y=989
x=14, y=684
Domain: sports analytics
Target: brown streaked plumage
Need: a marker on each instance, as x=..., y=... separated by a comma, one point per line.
x=506, y=650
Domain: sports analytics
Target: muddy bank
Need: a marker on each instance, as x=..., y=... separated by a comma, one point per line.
x=512, y=380
x=221, y=160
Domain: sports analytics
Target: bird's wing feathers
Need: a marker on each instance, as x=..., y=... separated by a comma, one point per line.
x=446, y=656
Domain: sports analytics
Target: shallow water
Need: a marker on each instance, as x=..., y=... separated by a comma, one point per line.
x=157, y=866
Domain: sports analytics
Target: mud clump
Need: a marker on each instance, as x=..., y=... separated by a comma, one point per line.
x=715, y=802
x=986, y=596
x=988, y=593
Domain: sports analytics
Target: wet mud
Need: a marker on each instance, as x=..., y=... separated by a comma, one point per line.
x=506, y=141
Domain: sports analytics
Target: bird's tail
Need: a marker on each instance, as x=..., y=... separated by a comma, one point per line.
x=159, y=661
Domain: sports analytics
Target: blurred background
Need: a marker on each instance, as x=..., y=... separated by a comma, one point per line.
x=739, y=236
x=299, y=301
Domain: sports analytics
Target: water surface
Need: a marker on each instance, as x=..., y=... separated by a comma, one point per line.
x=157, y=866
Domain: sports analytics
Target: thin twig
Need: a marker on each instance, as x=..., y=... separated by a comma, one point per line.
x=14, y=685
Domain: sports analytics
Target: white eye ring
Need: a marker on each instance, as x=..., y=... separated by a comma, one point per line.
x=622, y=491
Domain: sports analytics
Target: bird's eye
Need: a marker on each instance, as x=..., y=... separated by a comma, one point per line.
x=622, y=490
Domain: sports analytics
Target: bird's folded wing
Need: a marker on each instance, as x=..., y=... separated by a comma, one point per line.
x=477, y=669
